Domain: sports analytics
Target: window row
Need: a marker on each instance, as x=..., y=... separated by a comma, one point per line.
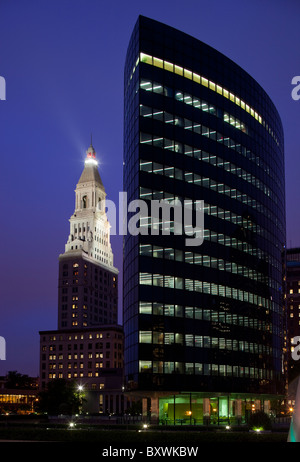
x=240, y=172
x=81, y=346
x=222, y=239
x=201, y=80
x=204, y=260
x=172, y=145
x=53, y=338
x=187, y=124
x=200, y=341
x=205, y=182
x=209, y=209
x=169, y=367
x=212, y=159
x=95, y=301
x=291, y=307
x=191, y=100
x=191, y=312
x=193, y=285
x=77, y=267
x=294, y=291
x=75, y=356
x=76, y=365
x=148, y=85
x=200, y=129
x=17, y=398
x=76, y=375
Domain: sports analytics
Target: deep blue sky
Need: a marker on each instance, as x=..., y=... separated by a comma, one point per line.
x=63, y=64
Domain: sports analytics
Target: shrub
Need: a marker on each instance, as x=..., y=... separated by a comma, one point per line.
x=260, y=420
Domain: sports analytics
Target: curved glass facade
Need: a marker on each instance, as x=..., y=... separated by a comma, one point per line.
x=205, y=318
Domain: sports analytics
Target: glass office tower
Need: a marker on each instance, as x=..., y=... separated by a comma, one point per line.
x=204, y=324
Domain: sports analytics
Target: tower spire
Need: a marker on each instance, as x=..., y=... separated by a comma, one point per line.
x=89, y=226
x=91, y=153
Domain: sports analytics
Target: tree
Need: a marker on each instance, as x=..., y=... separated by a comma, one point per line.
x=16, y=380
x=135, y=408
x=60, y=397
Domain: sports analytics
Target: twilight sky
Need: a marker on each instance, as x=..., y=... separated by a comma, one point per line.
x=63, y=65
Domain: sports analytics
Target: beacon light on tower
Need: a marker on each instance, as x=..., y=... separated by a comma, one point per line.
x=91, y=155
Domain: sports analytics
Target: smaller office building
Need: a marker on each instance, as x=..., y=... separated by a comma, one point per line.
x=293, y=310
x=17, y=398
x=93, y=358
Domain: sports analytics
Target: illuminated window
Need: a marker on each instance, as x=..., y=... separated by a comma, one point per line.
x=145, y=308
x=158, y=62
x=145, y=337
x=145, y=58
x=158, y=280
x=188, y=74
x=196, y=78
x=169, y=338
x=169, y=310
x=178, y=70
x=145, y=366
x=189, y=340
x=145, y=279
x=169, y=367
x=158, y=338
x=168, y=66
x=204, y=82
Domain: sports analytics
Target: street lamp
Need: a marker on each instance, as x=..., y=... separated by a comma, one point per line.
x=80, y=395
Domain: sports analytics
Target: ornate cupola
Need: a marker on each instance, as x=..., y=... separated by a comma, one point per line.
x=89, y=226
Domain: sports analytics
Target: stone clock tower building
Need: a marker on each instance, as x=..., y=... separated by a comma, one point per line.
x=87, y=347
x=88, y=293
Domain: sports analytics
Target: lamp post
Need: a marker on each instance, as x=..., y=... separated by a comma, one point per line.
x=80, y=396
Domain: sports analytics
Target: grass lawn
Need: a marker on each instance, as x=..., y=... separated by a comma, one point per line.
x=128, y=437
